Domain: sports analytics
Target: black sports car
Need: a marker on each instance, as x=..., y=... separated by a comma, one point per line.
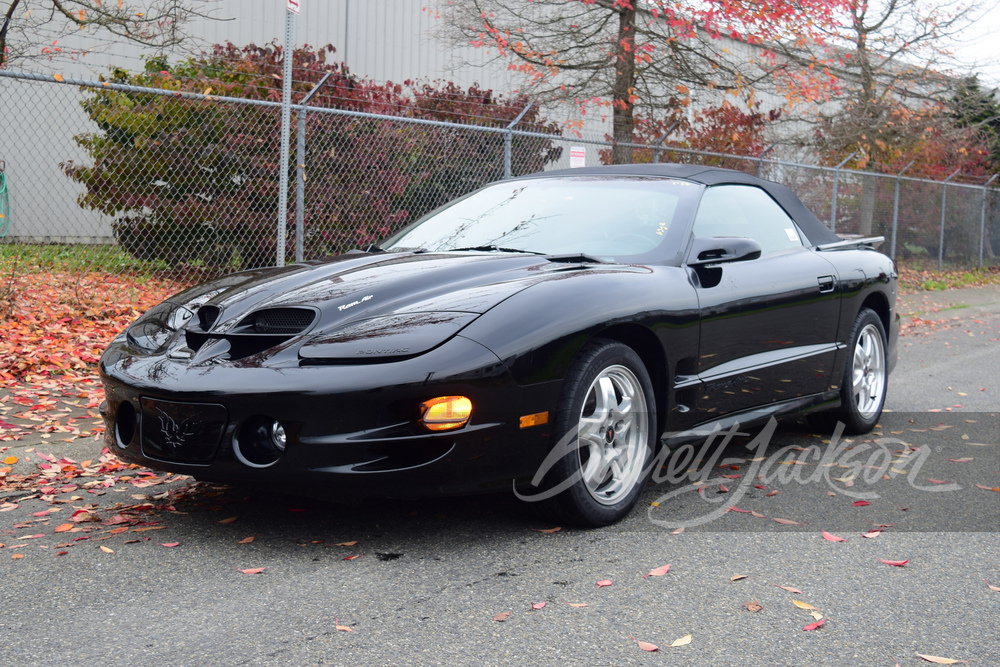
x=557, y=324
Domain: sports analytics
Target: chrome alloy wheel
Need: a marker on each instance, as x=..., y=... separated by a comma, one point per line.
x=868, y=374
x=613, y=435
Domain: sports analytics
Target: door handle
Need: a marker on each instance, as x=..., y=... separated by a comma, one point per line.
x=826, y=284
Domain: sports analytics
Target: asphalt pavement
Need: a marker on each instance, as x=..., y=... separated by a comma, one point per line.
x=157, y=570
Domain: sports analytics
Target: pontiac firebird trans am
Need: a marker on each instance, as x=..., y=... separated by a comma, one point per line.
x=593, y=313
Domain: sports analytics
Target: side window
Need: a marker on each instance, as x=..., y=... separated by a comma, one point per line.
x=747, y=211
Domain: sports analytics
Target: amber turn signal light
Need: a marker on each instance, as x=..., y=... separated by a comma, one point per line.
x=536, y=419
x=445, y=412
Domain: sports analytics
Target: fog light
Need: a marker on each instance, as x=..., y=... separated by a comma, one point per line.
x=278, y=436
x=445, y=412
x=260, y=442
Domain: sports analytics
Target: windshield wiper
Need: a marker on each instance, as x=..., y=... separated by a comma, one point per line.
x=493, y=248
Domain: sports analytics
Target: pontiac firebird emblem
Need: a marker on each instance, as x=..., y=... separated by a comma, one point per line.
x=354, y=303
x=174, y=434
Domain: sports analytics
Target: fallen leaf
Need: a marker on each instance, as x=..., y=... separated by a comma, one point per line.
x=10, y=460
x=993, y=588
x=547, y=530
x=860, y=503
x=229, y=520
x=654, y=504
x=502, y=616
x=344, y=628
x=832, y=538
x=351, y=557
x=683, y=641
x=603, y=582
x=658, y=572
x=940, y=661
x=895, y=563
x=753, y=606
x=170, y=545
x=584, y=604
x=937, y=481
x=803, y=605
x=63, y=527
x=813, y=626
x=790, y=589
x=737, y=509
x=872, y=534
x=737, y=577
x=678, y=531
x=537, y=605
x=758, y=514
x=254, y=570
x=772, y=493
x=346, y=544
x=815, y=614
x=247, y=540
x=646, y=646
x=788, y=522
x=988, y=488
x=964, y=459
x=106, y=550
x=16, y=556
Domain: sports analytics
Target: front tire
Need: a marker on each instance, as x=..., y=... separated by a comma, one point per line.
x=606, y=424
x=862, y=391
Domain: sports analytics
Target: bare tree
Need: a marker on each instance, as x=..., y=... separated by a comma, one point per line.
x=32, y=29
x=881, y=55
x=634, y=53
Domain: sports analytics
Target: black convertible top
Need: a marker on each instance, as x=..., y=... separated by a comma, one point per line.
x=817, y=232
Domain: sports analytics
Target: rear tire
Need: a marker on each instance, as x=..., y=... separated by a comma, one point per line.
x=606, y=424
x=862, y=391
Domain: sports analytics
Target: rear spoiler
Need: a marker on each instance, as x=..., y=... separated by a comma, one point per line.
x=872, y=242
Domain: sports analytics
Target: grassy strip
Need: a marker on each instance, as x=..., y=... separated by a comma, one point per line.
x=914, y=279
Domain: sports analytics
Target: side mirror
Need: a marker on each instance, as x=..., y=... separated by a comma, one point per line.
x=722, y=249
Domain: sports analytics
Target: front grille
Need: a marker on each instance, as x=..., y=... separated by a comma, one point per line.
x=281, y=320
x=182, y=432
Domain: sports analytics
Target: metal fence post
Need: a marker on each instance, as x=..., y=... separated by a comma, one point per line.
x=760, y=158
x=659, y=142
x=895, y=211
x=833, y=203
x=944, y=204
x=982, y=219
x=508, y=142
x=300, y=169
x=286, y=116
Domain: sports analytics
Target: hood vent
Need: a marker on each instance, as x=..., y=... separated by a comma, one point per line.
x=207, y=315
x=277, y=321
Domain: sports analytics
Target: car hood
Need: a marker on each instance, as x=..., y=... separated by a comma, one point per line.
x=364, y=306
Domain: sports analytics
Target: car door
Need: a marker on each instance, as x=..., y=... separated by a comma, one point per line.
x=768, y=325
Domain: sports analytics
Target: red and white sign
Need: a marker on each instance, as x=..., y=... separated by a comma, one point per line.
x=577, y=156
x=294, y=5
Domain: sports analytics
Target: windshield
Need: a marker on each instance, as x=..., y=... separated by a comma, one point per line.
x=600, y=216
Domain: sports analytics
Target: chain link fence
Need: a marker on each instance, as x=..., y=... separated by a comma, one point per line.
x=177, y=180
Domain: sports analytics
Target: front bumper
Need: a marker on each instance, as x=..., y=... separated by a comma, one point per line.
x=352, y=430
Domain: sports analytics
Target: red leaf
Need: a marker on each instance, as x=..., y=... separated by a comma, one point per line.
x=351, y=557
x=813, y=626
x=247, y=540
x=253, y=570
x=547, y=530
x=788, y=522
x=645, y=646
x=170, y=544
x=658, y=572
x=832, y=538
x=860, y=503
x=603, y=582
x=895, y=563
x=790, y=589
x=872, y=534
x=537, y=605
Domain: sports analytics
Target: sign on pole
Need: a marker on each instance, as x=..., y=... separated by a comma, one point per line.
x=577, y=157
x=294, y=5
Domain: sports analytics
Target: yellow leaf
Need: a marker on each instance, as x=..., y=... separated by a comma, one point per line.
x=208, y=90
x=737, y=577
x=57, y=77
x=106, y=550
x=346, y=544
x=815, y=614
x=10, y=460
x=683, y=641
x=803, y=605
